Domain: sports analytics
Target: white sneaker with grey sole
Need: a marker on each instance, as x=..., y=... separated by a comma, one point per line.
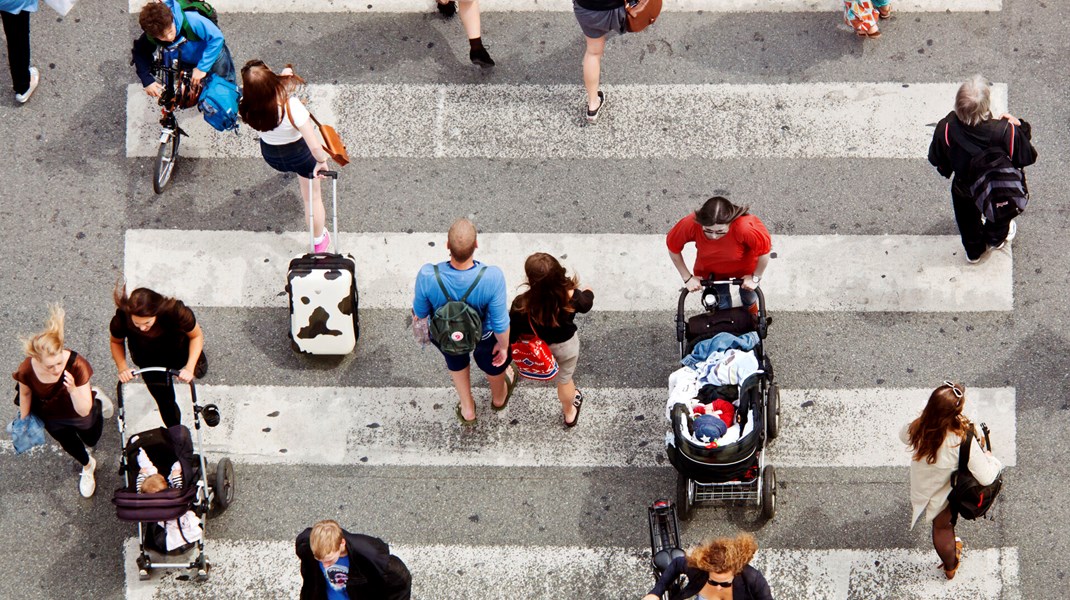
x=1013, y=231
x=35, y=78
x=87, y=484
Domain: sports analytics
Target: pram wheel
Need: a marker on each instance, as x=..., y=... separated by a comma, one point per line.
x=142, y=567
x=223, y=485
x=202, y=570
x=768, y=492
x=685, y=496
x=772, y=411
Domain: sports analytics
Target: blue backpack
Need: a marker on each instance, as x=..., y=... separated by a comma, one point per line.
x=219, y=103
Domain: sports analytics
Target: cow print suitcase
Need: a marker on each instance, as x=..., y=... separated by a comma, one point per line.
x=323, y=296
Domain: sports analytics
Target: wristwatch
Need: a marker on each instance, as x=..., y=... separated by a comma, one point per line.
x=756, y=278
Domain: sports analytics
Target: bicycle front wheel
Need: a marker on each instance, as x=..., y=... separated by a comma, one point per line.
x=165, y=163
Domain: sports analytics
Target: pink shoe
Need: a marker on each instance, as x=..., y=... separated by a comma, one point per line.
x=324, y=245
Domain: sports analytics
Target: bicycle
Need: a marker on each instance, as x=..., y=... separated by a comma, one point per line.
x=178, y=92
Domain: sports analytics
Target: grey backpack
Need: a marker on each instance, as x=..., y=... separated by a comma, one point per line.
x=455, y=326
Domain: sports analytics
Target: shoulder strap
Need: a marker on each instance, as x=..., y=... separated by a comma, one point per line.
x=964, y=451
x=441, y=285
x=314, y=119
x=286, y=109
x=474, y=284
x=947, y=139
x=1011, y=155
x=70, y=362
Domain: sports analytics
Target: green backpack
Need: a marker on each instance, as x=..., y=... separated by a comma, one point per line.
x=198, y=6
x=455, y=326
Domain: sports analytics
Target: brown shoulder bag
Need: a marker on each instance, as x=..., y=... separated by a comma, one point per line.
x=332, y=142
x=642, y=13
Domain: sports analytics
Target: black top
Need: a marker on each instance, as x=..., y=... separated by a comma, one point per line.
x=373, y=571
x=748, y=585
x=600, y=4
x=581, y=301
x=165, y=344
x=955, y=144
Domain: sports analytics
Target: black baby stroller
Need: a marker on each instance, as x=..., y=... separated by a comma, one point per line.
x=204, y=491
x=734, y=471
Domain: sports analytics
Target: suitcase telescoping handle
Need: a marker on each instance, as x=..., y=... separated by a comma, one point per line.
x=334, y=210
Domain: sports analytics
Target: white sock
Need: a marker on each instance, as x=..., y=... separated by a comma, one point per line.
x=323, y=235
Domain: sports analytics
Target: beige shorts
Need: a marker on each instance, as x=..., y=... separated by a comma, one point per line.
x=567, y=354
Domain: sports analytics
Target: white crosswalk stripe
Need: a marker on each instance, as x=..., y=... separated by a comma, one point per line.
x=904, y=273
x=624, y=428
x=543, y=121
x=406, y=6
x=449, y=572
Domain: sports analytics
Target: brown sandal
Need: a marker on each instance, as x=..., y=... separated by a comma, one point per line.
x=885, y=11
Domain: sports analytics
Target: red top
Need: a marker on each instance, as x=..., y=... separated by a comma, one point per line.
x=734, y=255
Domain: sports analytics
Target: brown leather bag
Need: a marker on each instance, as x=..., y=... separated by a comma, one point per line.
x=333, y=143
x=642, y=13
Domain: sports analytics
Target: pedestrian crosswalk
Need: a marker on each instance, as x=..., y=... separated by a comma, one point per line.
x=452, y=572
x=906, y=273
x=807, y=120
x=828, y=427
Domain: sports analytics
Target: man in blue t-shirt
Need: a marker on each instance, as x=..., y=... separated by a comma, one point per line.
x=490, y=299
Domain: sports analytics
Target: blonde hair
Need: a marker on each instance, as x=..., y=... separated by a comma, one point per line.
x=325, y=538
x=723, y=555
x=153, y=483
x=973, y=100
x=50, y=341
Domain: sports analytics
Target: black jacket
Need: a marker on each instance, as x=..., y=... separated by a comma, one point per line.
x=374, y=573
x=955, y=144
x=748, y=585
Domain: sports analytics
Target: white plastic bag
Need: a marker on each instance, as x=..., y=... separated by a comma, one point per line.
x=61, y=6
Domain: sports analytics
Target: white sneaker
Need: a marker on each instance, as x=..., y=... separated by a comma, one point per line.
x=88, y=483
x=35, y=78
x=1013, y=231
x=107, y=407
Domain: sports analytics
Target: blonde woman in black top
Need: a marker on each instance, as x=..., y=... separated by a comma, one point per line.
x=550, y=304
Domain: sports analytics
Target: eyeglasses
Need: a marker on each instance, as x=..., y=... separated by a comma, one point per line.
x=954, y=389
x=715, y=231
x=724, y=584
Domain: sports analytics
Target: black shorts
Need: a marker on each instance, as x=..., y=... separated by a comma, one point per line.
x=294, y=157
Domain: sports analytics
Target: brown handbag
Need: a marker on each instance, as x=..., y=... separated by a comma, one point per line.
x=332, y=142
x=642, y=13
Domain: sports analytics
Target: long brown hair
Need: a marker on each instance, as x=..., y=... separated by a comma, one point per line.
x=942, y=415
x=142, y=302
x=723, y=555
x=263, y=93
x=719, y=211
x=547, y=293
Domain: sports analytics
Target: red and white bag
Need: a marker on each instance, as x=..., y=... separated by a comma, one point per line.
x=532, y=356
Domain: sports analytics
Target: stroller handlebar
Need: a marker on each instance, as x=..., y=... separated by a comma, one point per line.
x=136, y=372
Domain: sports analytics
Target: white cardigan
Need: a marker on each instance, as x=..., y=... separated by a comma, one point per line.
x=931, y=483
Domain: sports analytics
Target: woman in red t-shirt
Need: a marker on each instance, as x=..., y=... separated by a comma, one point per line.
x=731, y=244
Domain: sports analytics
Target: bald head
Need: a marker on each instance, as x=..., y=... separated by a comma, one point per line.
x=461, y=240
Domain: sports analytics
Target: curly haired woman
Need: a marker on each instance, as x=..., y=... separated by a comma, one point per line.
x=717, y=570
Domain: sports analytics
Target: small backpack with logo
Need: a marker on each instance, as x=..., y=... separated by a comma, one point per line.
x=968, y=498
x=532, y=356
x=997, y=187
x=455, y=326
x=218, y=103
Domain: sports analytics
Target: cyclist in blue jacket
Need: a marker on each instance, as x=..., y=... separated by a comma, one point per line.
x=200, y=44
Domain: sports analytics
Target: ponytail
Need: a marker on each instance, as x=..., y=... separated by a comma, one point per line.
x=50, y=341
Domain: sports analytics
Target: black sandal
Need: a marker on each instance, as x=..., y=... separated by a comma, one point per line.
x=578, y=403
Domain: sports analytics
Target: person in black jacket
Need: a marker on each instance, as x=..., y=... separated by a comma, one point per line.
x=964, y=133
x=717, y=570
x=338, y=565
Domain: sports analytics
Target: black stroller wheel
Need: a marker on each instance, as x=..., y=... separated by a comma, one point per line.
x=685, y=496
x=224, y=484
x=768, y=492
x=772, y=411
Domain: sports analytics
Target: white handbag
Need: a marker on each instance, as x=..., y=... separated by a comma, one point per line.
x=61, y=6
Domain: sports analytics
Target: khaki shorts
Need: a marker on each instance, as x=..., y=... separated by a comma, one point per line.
x=567, y=354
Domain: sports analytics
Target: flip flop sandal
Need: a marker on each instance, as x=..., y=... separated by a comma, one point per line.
x=578, y=403
x=884, y=14
x=464, y=421
x=510, y=386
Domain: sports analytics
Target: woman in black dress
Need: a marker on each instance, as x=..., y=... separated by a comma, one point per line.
x=161, y=332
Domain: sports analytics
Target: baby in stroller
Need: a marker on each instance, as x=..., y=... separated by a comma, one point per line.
x=149, y=480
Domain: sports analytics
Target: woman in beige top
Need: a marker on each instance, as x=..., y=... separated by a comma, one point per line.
x=934, y=438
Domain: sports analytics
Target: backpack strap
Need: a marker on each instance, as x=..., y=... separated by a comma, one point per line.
x=442, y=286
x=474, y=284
x=964, y=451
x=1012, y=140
x=947, y=140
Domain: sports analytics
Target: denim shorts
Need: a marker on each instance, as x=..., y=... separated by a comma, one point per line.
x=484, y=355
x=294, y=157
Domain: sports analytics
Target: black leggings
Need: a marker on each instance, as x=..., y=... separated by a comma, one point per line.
x=976, y=237
x=163, y=391
x=17, y=30
x=75, y=440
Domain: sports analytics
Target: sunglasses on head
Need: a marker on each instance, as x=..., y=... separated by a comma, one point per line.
x=954, y=389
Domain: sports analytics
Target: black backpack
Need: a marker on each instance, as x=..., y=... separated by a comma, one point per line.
x=968, y=498
x=997, y=187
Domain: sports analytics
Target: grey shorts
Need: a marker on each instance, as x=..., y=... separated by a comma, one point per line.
x=597, y=23
x=567, y=354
